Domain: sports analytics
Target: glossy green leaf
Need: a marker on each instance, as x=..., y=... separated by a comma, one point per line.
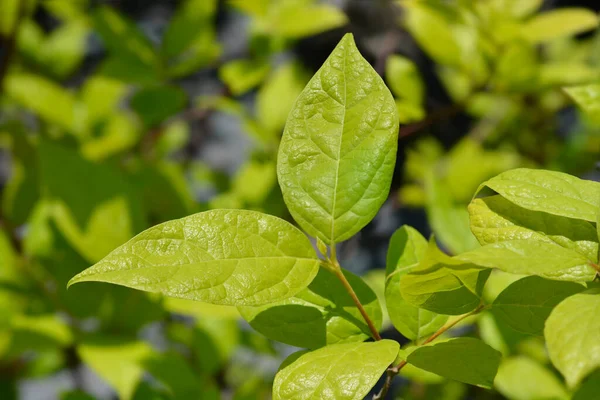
x=521, y=378
x=407, y=248
x=322, y=314
x=466, y=360
x=443, y=284
x=338, y=149
x=526, y=304
x=530, y=257
x=340, y=371
x=116, y=360
x=552, y=192
x=225, y=257
x=572, y=335
x=558, y=23
x=495, y=219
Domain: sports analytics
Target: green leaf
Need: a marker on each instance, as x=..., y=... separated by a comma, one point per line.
x=466, y=360
x=190, y=41
x=589, y=388
x=122, y=38
x=407, y=248
x=443, y=284
x=320, y=315
x=93, y=205
x=296, y=20
x=449, y=219
x=530, y=257
x=116, y=360
x=521, y=378
x=276, y=97
x=340, y=371
x=587, y=97
x=404, y=79
x=235, y=257
x=558, y=23
x=433, y=33
x=242, y=75
x=156, y=103
x=495, y=219
x=572, y=335
x=338, y=149
x=51, y=102
x=552, y=192
x=526, y=304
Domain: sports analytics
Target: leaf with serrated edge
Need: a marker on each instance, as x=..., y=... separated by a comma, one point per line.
x=230, y=257
x=338, y=149
x=572, y=334
x=337, y=372
x=548, y=191
x=526, y=304
x=321, y=314
x=407, y=247
x=530, y=257
x=495, y=219
x=466, y=360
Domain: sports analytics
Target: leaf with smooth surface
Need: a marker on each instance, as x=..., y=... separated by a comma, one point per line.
x=322, y=314
x=337, y=372
x=587, y=97
x=548, y=191
x=116, y=360
x=297, y=19
x=230, y=257
x=495, y=219
x=558, y=23
x=407, y=248
x=466, y=360
x=572, y=335
x=443, y=284
x=338, y=149
x=530, y=257
x=521, y=378
x=526, y=304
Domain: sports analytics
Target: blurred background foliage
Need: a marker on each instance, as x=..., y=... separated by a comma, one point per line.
x=118, y=115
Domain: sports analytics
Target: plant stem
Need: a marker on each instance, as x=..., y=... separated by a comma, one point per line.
x=337, y=270
x=595, y=266
x=394, y=370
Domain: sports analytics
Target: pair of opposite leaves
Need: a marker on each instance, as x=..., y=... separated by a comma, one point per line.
x=334, y=166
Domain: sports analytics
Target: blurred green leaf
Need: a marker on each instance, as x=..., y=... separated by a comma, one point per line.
x=557, y=23
x=276, y=97
x=154, y=104
x=297, y=19
x=94, y=206
x=116, y=360
x=521, y=378
x=243, y=75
